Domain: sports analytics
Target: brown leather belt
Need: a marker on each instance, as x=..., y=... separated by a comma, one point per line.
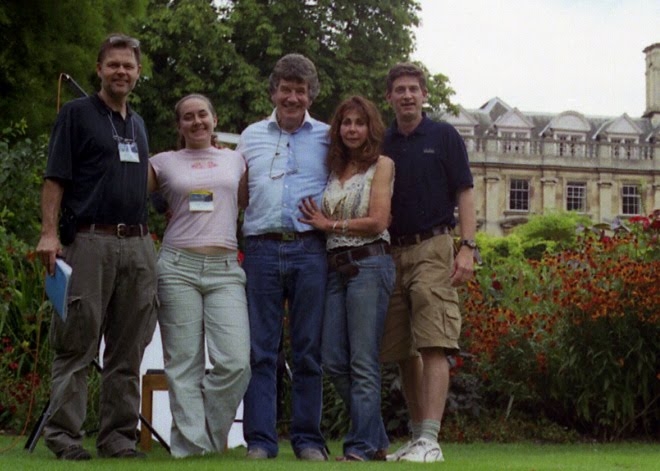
x=287, y=236
x=118, y=230
x=412, y=239
x=337, y=260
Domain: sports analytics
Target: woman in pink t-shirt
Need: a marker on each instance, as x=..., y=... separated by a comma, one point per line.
x=201, y=286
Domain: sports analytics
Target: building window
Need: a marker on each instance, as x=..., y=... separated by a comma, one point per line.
x=570, y=145
x=623, y=148
x=576, y=197
x=631, y=201
x=514, y=142
x=519, y=195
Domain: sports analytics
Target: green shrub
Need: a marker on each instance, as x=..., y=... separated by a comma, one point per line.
x=24, y=320
x=22, y=164
x=574, y=336
x=558, y=227
x=493, y=248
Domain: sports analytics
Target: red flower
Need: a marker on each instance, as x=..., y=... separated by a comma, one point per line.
x=644, y=220
x=497, y=285
x=13, y=366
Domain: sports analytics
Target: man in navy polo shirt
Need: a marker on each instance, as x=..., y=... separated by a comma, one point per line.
x=423, y=322
x=96, y=181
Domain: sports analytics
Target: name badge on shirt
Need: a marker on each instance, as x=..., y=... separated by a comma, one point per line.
x=128, y=152
x=200, y=200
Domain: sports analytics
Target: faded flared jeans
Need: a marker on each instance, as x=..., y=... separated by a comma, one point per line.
x=202, y=300
x=355, y=310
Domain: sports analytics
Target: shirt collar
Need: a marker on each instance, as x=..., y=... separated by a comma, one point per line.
x=308, y=122
x=422, y=128
x=103, y=108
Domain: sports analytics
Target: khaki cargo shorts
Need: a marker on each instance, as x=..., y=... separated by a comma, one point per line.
x=423, y=310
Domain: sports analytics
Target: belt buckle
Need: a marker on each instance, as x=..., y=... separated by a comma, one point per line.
x=288, y=236
x=122, y=230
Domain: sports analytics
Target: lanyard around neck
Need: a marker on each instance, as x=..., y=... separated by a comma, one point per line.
x=115, y=134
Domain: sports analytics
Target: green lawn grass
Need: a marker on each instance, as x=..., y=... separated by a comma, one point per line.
x=464, y=457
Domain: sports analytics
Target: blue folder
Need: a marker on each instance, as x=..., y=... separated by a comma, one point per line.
x=57, y=287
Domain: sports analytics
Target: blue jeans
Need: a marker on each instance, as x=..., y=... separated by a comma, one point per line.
x=278, y=271
x=355, y=310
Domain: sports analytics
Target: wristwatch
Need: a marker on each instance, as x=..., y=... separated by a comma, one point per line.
x=469, y=243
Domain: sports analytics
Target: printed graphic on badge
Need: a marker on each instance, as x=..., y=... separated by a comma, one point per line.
x=128, y=152
x=200, y=200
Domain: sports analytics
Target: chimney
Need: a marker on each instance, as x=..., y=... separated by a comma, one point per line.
x=653, y=83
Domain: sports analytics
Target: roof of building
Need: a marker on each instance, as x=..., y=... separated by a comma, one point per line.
x=497, y=114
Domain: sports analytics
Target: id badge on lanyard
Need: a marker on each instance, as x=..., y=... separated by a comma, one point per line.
x=128, y=148
x=128, y=151
x=200, y=201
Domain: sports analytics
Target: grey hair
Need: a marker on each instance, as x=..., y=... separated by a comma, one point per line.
x=298, y=68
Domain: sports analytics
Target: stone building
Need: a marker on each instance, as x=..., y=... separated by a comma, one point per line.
x=531, y=163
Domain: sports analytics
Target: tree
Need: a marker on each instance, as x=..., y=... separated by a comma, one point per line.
x=43, y=38
x=190, y=50
x=353, y=44
x=227, y=51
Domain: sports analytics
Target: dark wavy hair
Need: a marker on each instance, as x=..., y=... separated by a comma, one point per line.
x=180, y=140
x=338, y=154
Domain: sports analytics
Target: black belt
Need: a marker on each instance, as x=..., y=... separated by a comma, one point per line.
x=412, y=239
x=338, y=260
x=286, y=236
x=119, y=230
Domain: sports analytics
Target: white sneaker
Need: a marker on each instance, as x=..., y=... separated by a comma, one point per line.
x=400, y=452
x=423, y=451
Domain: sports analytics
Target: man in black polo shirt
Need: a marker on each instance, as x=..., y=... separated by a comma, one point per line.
x=96, y=181
x=423, y=323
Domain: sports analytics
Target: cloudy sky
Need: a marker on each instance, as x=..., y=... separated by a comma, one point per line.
x=542, y=55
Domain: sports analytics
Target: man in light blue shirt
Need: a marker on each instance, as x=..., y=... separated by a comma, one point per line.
x=285, y=261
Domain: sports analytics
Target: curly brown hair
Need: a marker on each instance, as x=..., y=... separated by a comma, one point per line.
x=338, y=154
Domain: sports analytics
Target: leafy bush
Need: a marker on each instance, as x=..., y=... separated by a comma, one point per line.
x=574, y=336
x=22, y=164
x=557, y=227
x=610, y=329
x=24, y=319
